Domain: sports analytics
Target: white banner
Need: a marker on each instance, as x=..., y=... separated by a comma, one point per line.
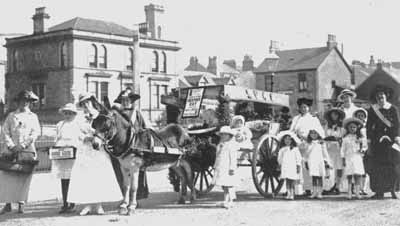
x=193, y=102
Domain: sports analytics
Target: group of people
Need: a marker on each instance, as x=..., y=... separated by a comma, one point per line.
x=89, y=178
x=316, y=159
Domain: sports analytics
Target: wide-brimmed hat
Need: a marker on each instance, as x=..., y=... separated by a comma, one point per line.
x=381, y=89
x=339, y=111
x=360, y=110
x=346, y=92
x=305, y=101
x=127, y=94
x=282, y=134
x=69, y=107
x=348, y=121
x=26, y=95
x=226, y=130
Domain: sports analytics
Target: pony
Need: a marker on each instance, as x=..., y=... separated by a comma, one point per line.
x=134, y=151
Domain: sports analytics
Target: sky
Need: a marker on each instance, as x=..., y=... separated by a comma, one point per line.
x=229, y=29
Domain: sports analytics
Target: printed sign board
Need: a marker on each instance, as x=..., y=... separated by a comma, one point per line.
x=193, y=103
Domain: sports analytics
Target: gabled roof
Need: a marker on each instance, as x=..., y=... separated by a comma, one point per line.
x=196, y=67
x=193, y=79
x=225, y=68
x=92, y=25
x=361, y=74
x=296, y=59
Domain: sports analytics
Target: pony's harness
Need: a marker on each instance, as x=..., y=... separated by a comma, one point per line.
x=129, y=149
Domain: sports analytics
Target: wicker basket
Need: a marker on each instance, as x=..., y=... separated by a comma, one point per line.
x=18, y=166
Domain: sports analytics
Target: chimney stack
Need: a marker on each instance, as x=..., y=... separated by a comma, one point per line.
x=39, y=25
x=273, y=46
x=154, y=20
x=371, y=61
x=331, y=43
x=248, y=63
x=212, y=65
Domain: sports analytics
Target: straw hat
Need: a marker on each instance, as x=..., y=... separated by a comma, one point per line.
x=346, y=92
x=69, y=107
x=381, y=89
x=282, y=134
x=348, y=121
x=26, y=95
x=237, y=118
x=83, y=97
x=339, y=111
x=226, y=130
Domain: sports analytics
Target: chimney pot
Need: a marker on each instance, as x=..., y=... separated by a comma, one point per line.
x=248, y=63
x=39, y=25
x=331, y=43
x=273, y=46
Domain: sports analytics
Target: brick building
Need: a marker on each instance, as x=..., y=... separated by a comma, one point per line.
x=91, y=55
x=310, y=72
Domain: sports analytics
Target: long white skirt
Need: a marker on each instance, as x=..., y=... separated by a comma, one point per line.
x=92, y=178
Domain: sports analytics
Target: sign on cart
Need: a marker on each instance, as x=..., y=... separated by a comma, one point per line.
x=193, y=103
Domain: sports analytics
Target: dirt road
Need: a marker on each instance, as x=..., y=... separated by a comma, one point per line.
x=250, y=209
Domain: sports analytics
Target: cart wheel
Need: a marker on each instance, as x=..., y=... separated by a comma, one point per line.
x=203, y=180
x=265, y=168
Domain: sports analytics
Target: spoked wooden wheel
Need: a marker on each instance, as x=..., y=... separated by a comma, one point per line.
x=203, y=180
x=265, y=168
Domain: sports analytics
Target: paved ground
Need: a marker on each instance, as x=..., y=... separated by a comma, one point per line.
x=250, y=209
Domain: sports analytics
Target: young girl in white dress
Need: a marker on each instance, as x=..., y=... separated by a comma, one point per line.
x=352, y=151
x=225, y=165
x=289, y=159
x=362, y=114
x=334, y=132
x=317, y=161
x=68, y=134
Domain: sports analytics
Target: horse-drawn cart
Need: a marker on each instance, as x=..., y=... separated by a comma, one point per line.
x=201, y=103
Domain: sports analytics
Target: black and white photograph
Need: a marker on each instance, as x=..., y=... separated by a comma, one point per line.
x=236, y=113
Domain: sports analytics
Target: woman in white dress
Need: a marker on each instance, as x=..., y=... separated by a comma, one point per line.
x=92, y=177
x=68, y=134
x=301, y=126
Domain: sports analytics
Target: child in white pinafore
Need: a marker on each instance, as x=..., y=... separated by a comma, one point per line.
x=243, y=137
x=362, y=114
x=225, y=165
x=352, y=151
x=334, y=132
x=289, y=159
x=317, y=161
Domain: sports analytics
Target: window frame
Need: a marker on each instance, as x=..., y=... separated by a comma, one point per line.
x=303, y=83
x=15, y=60
x=93, y=54
x=39, y=89
x=164, y=62
x=102, y=62
x=155, y=61
x=63, y=55
x=129, y=66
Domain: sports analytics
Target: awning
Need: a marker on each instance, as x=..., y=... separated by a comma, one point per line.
x=98, y=75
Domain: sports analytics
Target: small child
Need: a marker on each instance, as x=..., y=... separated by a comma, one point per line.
x=317, y=161
x=353, y=148
x=242, y=137
x=243, y=134
x=289, y=159
x=362, y=114
x=225, y=165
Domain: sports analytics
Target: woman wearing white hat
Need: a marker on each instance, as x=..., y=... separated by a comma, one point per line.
x=347, y=96
x=68, y=134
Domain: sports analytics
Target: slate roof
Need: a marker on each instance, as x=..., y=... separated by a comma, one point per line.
x=92, y=25
x=196, y=67
x=361, y=74
x=296, y=59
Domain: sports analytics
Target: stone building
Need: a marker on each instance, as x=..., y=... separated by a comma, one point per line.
x=309, y=72
x=91, y=55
